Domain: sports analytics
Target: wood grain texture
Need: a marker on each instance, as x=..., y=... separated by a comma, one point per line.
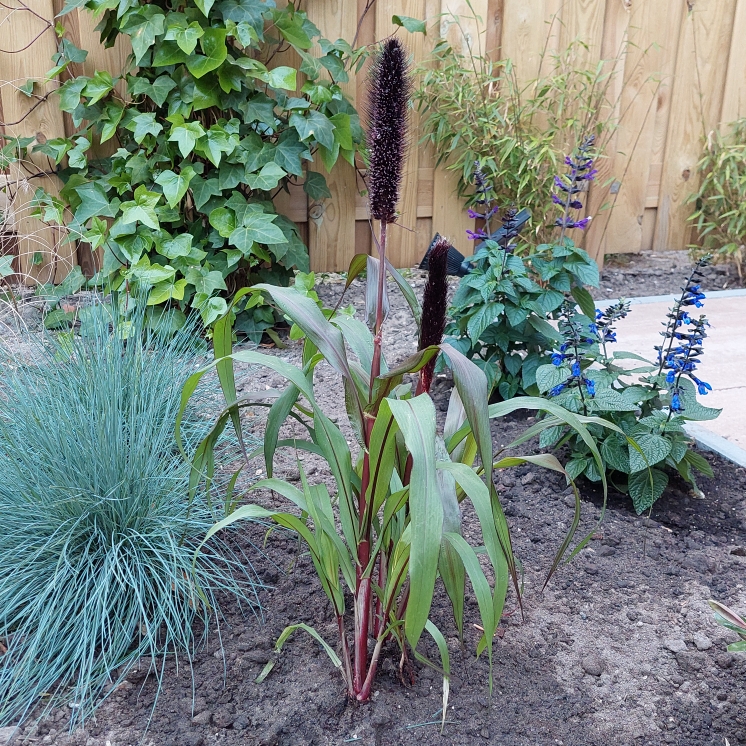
x=405, y=244
x=696, y=104
x=42, y=257
x=583, y=21
x=530, y=34
x=648, y=68
x=734, y=97
x=614, y=49
x=331, y=225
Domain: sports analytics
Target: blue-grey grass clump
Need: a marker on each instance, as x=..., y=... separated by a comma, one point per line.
x=98, y=539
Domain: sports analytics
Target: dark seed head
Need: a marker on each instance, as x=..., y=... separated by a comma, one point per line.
x=434, y=306
x=390, y=88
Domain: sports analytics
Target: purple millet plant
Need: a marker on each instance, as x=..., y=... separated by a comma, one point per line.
x=434, y=308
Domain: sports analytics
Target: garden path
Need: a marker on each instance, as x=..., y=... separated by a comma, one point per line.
x=724, y=360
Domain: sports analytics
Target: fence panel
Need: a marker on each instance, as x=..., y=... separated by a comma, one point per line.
x=682, y=74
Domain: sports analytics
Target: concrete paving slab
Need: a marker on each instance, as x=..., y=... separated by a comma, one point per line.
x=724, y=360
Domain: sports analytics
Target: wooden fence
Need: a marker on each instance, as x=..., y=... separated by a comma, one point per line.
x=683, y=75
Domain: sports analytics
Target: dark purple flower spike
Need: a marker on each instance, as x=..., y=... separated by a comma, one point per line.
x=390, y=88
x=572, y=184
x=434, y=307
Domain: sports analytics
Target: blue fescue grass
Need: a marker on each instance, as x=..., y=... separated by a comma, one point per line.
x=97, y=537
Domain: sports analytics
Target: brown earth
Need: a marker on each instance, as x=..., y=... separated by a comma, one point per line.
x=620, y=648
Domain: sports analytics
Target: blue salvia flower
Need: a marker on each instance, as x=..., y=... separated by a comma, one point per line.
x=571, y=351
x=680, y=354
x=484, y=188
x=603, y=325
x=570, y=185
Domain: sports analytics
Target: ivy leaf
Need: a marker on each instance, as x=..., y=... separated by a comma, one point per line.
x=76, y=157
x=168, y=53
x=268, y=178
x=142, y=28
x=204, y=6
x=315, y=186
x=342, y=130
x=143, y=125
x=215, y=51
x=93, y=202
x=258, y=227
x=291, y=27
x=142, y=208
x=315, y=125
x=163, y=292
x=336, y=67
x=96, y=234
x=98, y=86
x=27, y=89
x=173, y=248
x=185, y=36
x=282, y=77
x=56, y=148
x=70, y=93
x=175, y=185
x=212, y=309
x=186, y=135
x=244, y=11
x=150, y=274
x=216, y=143
x=203, y=189
x=112, y=115
x=223, y=220
x=161, y=87
x=413, y=25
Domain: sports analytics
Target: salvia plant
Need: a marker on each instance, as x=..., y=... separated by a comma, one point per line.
x=97, y=562
x=649, y=403
x=393, y=525
x=177, y=158
x=501, y=309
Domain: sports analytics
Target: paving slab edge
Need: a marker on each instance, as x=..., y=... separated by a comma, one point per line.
x=709, y=441
x=733, y=293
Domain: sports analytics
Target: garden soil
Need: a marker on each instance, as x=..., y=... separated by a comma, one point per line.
x=620, y=648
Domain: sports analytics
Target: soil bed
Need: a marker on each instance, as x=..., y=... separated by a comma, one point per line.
x=620, y=647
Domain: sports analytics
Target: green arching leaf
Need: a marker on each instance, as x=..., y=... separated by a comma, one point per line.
x=416, y=420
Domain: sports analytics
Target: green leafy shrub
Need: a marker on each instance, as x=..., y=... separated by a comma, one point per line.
x=399, y=486
x=475, y=109
x=649, y=403
x=98, y=536
x=720, y=215
x=500, y=310
x=206, y=135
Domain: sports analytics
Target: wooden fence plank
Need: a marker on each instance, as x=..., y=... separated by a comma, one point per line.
x=530, y=32
x=583, y=21
x=614, y=48
x=734, y=97
x=695, y=109
x=331, y=227
x=648, y=67
x=42, y=256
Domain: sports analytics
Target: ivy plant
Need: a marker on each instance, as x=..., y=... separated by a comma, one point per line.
x=204, y=129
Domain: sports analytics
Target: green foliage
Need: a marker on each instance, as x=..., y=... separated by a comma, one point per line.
x=98, y=539
x=638, y=400
x=206, y=135
x=391, y=525
x=728, y=618
x=720, y=215
x=500, y=310
x=475, y=110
